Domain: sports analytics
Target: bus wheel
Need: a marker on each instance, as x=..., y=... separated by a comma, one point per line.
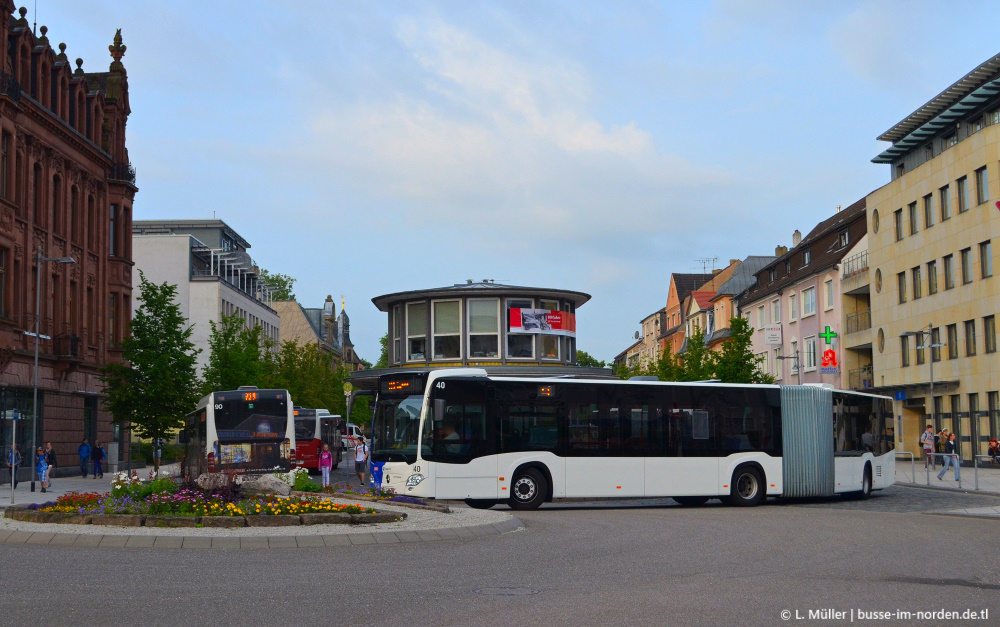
x=527, y=490
x=748, y=489
x=866, y=486
x=691, y=501
x=480, y=503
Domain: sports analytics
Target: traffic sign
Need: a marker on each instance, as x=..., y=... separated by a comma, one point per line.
x=348, y=387
x=900, y=395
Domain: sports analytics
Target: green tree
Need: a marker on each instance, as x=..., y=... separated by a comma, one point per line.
x=281, y=285
x=584, y=359
x=156, y=386
x=235, y=356
x=383, y=356
x=697, y=362
x=736, y=363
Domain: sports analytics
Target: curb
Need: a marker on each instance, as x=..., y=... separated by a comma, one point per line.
x=366, y=538
x=955, y=490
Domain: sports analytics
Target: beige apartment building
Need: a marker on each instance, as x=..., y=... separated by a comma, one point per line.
x=931, y=245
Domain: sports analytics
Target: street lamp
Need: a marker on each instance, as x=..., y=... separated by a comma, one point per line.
x=930, y=338
x=795, y=362
x=34, y=393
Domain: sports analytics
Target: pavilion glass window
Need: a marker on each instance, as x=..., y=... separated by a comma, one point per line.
x=447, y=321
x=416, y=331
x=397, y=332
x=550, y=343
x=484, y=328
x=519, y=345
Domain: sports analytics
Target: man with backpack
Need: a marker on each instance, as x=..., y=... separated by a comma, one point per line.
x=84, y=451
x=360, y=459
x=927, y=443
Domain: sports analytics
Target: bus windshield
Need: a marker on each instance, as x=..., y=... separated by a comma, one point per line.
x=239, y=420
x=396, y=428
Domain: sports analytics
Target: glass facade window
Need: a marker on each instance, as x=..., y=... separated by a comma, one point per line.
x=945, y=201
x=986, y=259
x=519, y=345
x=928, y=211
x=901, y=286
x=990, y=333
x=952, y=341
x=982, y=186
x=970, y=338
x=898, y=215
x=447, y=321
x=904, y=351
x=932, y=286
x=912, y=207
x=962, y=186
x=966, y=255
x=936, y=339
x=949, y=272
x=416, y=331
x=917, y=283
x=484, y=328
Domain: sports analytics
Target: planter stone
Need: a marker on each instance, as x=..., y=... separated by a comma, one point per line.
x=172, y=521
x=119, y=520
x=378, y=517
x=70, y=519
x=280, y=520
x=266, y=484
x=326, y=518
x=226, y=522
x=212, y=481
x=37, y=517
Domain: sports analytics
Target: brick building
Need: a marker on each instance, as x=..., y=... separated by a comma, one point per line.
x=66, y=190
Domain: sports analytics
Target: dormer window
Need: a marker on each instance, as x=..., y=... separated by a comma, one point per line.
x=788, y=267
x=806, y=257
x=842, y=239
x=773, y=274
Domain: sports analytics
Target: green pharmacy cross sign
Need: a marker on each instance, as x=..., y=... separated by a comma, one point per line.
x=828, y=335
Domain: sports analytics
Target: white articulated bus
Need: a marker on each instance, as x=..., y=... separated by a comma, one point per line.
x=462, y=434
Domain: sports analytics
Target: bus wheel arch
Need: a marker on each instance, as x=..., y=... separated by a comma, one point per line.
x=866, y=484
x=748, y=487
x=531, y=484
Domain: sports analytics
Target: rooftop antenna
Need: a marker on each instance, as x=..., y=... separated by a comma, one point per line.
x=705, y=261
x=34, y=17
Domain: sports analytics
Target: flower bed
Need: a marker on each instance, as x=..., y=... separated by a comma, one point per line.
x=163, y=502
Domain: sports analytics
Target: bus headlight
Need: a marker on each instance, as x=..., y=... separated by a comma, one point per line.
x=413, y=480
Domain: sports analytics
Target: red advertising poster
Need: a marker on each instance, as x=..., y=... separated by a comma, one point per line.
x=542, y=321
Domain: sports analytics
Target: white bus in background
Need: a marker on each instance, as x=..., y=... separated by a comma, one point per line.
x=351, y=436
x=461, y=434
x=247, y=431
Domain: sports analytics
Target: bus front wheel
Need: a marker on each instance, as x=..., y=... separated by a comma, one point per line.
x=527, y=490
x=747, y=488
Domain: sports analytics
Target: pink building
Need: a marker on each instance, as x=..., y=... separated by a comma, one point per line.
x=795, y=306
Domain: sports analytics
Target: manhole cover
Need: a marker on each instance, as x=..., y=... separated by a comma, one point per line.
x=506, y=591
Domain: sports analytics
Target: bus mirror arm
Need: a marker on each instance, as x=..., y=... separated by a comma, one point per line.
x=439, y=410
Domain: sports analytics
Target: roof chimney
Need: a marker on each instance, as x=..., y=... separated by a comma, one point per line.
x=796, y=238
x=780, y=251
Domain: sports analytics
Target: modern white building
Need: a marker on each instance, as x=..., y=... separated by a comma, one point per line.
x=215, y=276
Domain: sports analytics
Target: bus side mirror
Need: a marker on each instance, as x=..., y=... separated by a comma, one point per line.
x=439, y=410
x=184, y=437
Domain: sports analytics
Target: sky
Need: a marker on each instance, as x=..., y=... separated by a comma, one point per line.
x=366, y=148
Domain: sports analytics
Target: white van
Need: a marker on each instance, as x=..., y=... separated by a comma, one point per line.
x=351, y=435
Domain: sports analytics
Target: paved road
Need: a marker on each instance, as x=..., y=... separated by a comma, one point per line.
x=579, y=563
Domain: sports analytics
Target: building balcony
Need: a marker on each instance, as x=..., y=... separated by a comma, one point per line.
x=858, y=330
x=854, y=274
x=861, y=378
x=123, y=172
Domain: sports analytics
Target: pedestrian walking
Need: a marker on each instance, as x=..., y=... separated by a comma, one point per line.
x=41, y=466
x=84, y=452
x=14, y=460
x=326, y=465
x=98, y=456
x=360, y=459
x=927, y=443
x=950, y=457
x=50, y=457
